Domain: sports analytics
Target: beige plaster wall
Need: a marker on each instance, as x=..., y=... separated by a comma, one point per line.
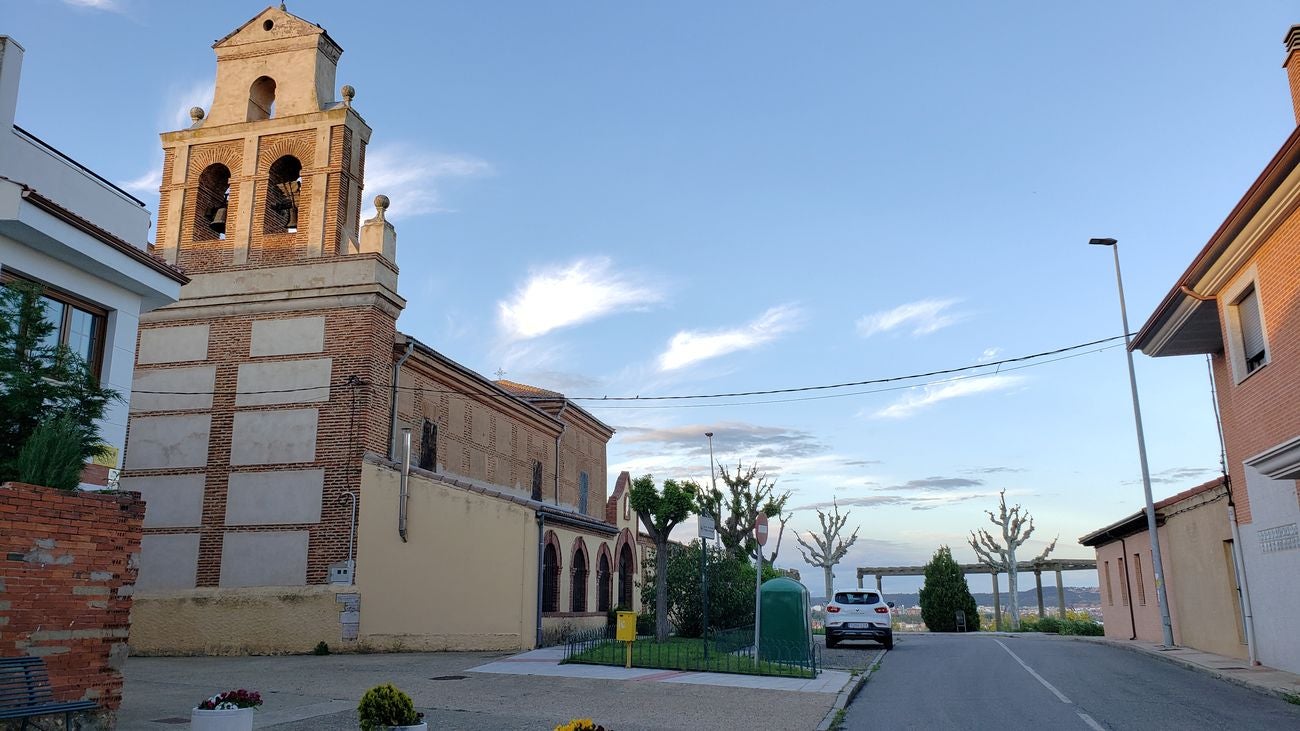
x=466, y=579
x=1206, y=610
x=255, y=621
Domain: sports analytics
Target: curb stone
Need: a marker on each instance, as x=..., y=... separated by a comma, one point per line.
x=850, y=691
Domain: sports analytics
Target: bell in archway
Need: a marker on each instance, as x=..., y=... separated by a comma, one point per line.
x=217, y=219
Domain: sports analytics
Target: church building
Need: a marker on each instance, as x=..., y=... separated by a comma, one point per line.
x=311, y=473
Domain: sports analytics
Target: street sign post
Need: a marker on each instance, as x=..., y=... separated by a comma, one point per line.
x=707, y=532
x=760, y=535
x=708, y=529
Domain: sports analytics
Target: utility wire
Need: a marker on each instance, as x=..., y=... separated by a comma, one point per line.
x=997, y=364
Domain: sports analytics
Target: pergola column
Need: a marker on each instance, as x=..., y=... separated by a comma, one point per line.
x=859, y=583
x=1038, y=584
x=1060, y=595
x=997, y=603
x=879, y=585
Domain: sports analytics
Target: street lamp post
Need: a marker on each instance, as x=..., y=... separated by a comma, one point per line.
x=704, y=562
x=1157, y=566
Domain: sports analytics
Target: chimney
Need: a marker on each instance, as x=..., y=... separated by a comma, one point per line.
x=1292, y=66
x=11, y=63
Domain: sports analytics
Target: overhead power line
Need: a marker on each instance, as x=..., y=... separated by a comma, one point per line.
x=996, y=366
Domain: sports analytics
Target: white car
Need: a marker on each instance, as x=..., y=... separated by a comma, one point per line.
x=859, y=614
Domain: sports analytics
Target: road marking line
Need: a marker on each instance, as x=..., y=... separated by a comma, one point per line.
x=1091, y=723
x=1037, y=677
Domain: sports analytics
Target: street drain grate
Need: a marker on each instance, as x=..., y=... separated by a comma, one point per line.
x=174, y=720
x=449, y=677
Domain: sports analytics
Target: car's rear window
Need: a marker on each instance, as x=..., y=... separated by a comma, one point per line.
x=857, y=597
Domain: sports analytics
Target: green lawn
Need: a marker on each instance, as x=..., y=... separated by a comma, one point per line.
x=684, y=654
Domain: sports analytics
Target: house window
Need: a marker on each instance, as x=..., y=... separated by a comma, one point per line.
x=1110, y=591
x=1249, y=324
x=583, y=487
x=537, y=480
x=550, y=580
x=1137, y=572
x=603, y=588
x=578, y=598
x=77, y=324
x=1123, y=585
x=429, y=446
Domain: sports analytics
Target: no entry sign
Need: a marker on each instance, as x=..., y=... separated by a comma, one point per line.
x=760, y=529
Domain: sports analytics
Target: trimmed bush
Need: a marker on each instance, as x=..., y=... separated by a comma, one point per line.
x=945, y=591
x=383, y=706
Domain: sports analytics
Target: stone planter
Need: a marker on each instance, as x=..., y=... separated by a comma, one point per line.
x=237, y=719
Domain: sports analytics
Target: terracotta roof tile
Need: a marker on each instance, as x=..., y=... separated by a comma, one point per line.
x=523, y=390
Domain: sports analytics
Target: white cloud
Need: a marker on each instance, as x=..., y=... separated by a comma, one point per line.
x=107, y=5
x=923, y=317
x=410, y=178
x=181, y=99
x=145, y=184
x=690, y=346
x=563, y=296
x=921, y=397
x=989, y=354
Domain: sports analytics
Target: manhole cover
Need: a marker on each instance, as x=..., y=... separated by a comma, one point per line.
x=449, y=677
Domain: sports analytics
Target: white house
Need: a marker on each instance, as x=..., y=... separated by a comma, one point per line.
x=84, y=240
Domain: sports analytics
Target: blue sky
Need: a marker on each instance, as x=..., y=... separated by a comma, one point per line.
x=687, y=198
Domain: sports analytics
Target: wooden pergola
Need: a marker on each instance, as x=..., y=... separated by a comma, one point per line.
x=1037, y=567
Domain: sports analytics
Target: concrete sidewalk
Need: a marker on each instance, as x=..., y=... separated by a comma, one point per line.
x=474, y=690
x=1260, y=678
x=547, y=661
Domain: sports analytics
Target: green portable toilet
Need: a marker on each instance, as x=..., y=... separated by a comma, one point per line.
x=786, y=623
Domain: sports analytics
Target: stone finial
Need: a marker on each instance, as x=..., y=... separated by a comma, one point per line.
x=381, y=205
x=378, y=235
x=349, y=93
x=196, y=114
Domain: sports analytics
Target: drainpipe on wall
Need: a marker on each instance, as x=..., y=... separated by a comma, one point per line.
x=392, y=420
x=404, y=484
x=1238, y=559
x=541, y=550
x=352, y=540
x=563, y=428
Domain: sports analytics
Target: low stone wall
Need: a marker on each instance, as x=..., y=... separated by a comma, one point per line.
x=70, y=562
x=273, y=620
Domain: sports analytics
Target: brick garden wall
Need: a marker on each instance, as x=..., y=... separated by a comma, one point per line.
x=69, y=567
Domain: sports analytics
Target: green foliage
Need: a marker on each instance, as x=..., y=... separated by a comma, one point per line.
x=321, y=648
x=385, y=705
x=731, y=589
x=42, y=383
x=51, y=456
x=945, y=592
x=1075, y=623
x=1085, y=628
x=645, y=624
x=660, y=512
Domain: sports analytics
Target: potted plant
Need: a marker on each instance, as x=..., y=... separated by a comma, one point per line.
x=229, y=711
x=385, y=707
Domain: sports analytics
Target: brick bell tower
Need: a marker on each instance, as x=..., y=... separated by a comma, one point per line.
x=256, y=394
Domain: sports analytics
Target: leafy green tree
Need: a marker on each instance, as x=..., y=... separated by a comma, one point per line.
x=51, y=456
x=43, y=382
x=660, y=512
x=731, y=589
x=734, y=512
x=944, y=593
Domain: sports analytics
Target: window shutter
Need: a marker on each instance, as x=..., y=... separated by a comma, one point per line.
x=1252, y=328
x=583, y=487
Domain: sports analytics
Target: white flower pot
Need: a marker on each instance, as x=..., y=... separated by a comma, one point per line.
x=416, y=727
x=237, y=719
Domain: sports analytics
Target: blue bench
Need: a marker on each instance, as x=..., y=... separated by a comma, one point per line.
x=25, y=692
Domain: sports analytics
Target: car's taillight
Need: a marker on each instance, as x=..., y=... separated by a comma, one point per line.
x=882, y=610
x=832, y=609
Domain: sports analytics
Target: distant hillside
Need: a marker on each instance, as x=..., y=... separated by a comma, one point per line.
x=1075, y=596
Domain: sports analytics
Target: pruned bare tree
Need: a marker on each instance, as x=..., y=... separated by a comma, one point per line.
x=771, y=560
x=1017, y=526
x=828, y=548
x=749, y=493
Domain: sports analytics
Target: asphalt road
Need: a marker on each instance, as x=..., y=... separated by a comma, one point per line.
x=1046, y=682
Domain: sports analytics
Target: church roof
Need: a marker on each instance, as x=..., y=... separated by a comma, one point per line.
x=523, y=390
x=288, y=23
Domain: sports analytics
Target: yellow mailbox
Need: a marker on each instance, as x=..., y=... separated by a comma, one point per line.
x=625, y=628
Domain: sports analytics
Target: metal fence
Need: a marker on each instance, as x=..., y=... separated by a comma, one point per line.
x=724, y=651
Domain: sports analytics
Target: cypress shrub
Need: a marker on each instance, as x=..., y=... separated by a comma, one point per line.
x=944, y=593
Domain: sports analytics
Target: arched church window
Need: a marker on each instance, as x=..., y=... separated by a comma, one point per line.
x=602, y=584
x=284, y=185
x=212, y=203
x=625, y=577
x=550, y=580
x=261, y=99
x=578, y=598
